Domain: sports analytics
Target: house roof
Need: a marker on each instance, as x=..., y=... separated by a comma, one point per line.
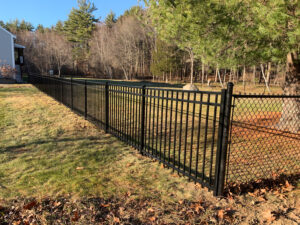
x=1, y=28
x=19, y=46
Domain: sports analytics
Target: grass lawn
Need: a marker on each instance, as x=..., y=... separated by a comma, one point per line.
x=77, y=173
x=47, y=150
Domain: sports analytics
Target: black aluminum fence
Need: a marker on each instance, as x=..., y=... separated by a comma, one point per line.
x=185, y=130
x=214, y=138
x=265, y=138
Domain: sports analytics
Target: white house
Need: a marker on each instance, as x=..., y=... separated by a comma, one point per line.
x=11, y=53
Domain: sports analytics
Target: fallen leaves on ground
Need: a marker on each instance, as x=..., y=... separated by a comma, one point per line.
x=220, y=214
x=268, y=216
x=263, y=205
x=30, y=205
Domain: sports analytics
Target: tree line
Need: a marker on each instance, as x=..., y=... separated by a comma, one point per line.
x=205, y=41
x=86, y=46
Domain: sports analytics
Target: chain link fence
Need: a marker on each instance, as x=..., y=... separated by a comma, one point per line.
x=264, y=139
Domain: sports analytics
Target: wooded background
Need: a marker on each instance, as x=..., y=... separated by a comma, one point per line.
x=172, y=40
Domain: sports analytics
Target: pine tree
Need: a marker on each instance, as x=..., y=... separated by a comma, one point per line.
x=25, y=26
x=40, y=28
x=279, y=21
x=134, y=11
x=2, y=24
x=164, y=59
x=16, y=25
x=237, y=33
x=110, y=20
x=59, y=27
x=176, y=22
x=79, y=28
x=13, y=26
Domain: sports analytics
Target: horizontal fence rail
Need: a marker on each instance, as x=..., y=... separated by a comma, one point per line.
x=214, y=138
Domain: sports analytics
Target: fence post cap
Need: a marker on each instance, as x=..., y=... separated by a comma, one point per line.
x=230, y=84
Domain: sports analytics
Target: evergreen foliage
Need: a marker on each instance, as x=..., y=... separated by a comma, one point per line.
x=79, y=28
x=164, y=58
x=2, y=24
x=230, y=33
x=59, y=27
x=16, y=25
x=110, y=19
x=40, y=28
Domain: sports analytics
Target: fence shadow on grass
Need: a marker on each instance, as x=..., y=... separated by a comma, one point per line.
x=16, y=148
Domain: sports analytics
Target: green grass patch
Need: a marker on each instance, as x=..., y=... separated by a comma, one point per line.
x=46, y=150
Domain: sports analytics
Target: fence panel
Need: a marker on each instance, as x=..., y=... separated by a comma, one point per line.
x=78, y=97
x=66, y=93
x=125, y=113
x=96, y=103
x=265, y=143
x=181, y=130
x=188, y=130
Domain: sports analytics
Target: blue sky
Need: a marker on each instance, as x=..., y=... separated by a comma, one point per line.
x=48, y=12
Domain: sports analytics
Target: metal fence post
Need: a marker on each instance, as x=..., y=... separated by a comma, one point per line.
x=106, y=107
x=223, y=134
x=143, y=118
x=72, y=93
x=85, y=100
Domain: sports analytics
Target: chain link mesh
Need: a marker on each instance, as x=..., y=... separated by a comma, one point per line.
x=265, y=138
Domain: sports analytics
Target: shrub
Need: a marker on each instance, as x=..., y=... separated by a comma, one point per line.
x=7, y=71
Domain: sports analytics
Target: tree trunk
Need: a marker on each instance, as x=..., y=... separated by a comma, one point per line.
x=192, y=65
x=244, y=78
x=266, y=80
x=206, y=74
x=216, y=75
x=290, y=117
x=219, y=75
x=234, y=75
x=277, y=74
x=269, y=73
x=254, y=74
x=76, y=67
x=203, y=74
x=125, y=73
x=237, y=75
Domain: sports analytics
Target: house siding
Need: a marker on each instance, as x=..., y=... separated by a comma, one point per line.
x=6, y=49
